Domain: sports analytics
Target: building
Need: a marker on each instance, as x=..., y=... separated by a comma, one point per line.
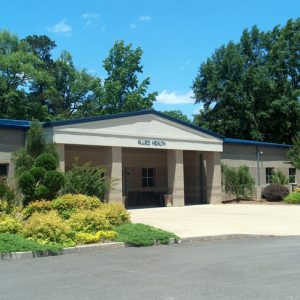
x=150, y=155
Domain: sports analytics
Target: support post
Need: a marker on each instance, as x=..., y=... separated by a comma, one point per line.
x=61, y=157
x=176, y=176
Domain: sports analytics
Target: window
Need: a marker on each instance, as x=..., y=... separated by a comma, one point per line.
x=292, y=175
x=269, y=175
x=4, y=170
x=148, y=177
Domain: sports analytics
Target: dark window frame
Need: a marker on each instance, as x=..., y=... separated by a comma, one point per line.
x=6, y=168
x=148, y=177
x=292, y=175
x=269, y=175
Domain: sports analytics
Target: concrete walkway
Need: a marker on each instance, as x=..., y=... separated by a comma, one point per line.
x=211, y=220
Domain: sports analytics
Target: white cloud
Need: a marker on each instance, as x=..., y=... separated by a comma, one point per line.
x=61, y=28
x=144, y=18
x=167, y=97
x=132, y=25
x=90, y=18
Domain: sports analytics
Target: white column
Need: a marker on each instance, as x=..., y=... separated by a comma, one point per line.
x=114, y=169
x=213, y=177
x=61, y=157
x=176, y=176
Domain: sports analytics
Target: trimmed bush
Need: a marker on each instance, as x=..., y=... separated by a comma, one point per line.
x=16, y=243
x=41, y=206
x=89, y=238
x=22, y=161
x=142, y=235
x=46, y=161
x=69, y=203
x=47, y=228
x=292, y=198
x=87, y=180
x=27, y=185
x=54, y=181
x=38, y=173
x=89, y=221
x=275, y=192
x=41, y=192
x=9, y=224
x=115, y=213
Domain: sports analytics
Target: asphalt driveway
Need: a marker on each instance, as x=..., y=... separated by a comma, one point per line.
x=248, y=268
x=223, y=219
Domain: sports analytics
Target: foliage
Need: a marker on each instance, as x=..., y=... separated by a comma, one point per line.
x=41, y=206
x=274, y=192
x=87, y=180
x=292, y=198
x=115, y=213
x=122, y=90
x=177, y=114
x=279, y=178
x=35, y=86
x=46, y=161
x=36, y=165
x=67, y=204
x=8, y=193
x=250, y=89
x=47, y=228
x=9, y=224
x=89, y=221
x=238, y=181
x=16, y=243
x=142, y=235
x=88, y=238
x=294, y=153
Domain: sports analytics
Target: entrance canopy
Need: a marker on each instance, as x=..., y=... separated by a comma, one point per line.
x=145, y=129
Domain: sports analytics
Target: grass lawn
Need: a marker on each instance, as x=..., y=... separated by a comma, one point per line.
x=15, y=243
x=142, y=235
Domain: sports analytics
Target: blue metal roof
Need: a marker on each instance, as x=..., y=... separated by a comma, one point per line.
x=255, y=143
x=23, y=124
x=14, y=124
x=131, y=114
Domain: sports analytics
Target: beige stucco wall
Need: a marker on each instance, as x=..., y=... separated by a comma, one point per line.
x=235, y=155
x=11, y=140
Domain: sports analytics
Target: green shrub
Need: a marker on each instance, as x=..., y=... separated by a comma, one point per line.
x=274, y=192
x=9, y=224
x=69, y=203
x=47, y=228
x=89, y=238
x=115, y=213
x=238, y=181
x=22, y=161
x=38, y=173
x=89, y=221
x=142, y=235
x=16, y=243
x=41, y=192
x=41, y=206
x=279, y=178
x=35, y=143
x=292, y=198
x=8, y=193
x=46, y=161
x=54, y=181
x=27, y=184
x=87, y=180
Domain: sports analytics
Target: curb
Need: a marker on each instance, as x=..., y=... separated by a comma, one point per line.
x=70, y=250
x=226, y=237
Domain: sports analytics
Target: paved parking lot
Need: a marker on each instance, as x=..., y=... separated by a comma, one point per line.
x=248, y=268
x=211, y=220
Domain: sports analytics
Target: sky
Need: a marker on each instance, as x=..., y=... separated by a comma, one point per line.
x=176, y=36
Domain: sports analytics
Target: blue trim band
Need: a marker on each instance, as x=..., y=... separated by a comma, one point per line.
x=255, y=143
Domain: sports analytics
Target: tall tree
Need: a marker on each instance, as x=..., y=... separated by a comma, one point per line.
x=122, y=90
x=177, y=114
x=251, y=89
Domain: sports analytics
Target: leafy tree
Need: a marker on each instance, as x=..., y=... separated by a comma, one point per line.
x=238, y=181
x=250, y=89
x=294, y=154
x=177, y=114
x=122, y=90
x=18, y=69
x=279, y=178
